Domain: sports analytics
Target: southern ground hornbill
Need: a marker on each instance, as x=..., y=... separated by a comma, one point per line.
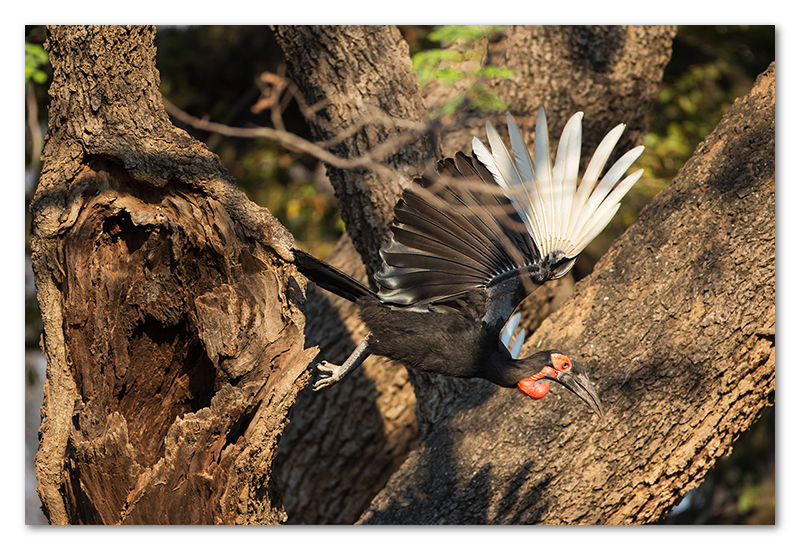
x=468, y=245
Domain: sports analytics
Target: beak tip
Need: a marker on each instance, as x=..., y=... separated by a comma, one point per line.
x=580, y=385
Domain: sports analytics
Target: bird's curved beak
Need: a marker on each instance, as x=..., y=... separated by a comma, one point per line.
x=577, y=381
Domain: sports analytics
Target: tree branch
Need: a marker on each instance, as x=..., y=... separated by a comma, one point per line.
x=373, y=160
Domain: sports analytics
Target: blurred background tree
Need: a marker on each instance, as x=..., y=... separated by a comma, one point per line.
x=217, y=73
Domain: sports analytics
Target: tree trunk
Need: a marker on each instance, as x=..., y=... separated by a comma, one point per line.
x=677, y=323
x=363, y=73
x=361, y=429
x=173, y=323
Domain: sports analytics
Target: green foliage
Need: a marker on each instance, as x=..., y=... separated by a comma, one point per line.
x=450, y=34
x=710, y=68
x=427, y=66
x=35, y=59
x=440, y=64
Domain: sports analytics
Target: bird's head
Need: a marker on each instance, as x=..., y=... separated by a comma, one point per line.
x=538, y=369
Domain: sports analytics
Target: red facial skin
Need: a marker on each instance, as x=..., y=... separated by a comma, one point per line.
x=536, y=386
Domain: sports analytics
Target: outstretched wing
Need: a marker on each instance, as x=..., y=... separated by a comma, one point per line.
x=500, y=222
x=451, y=235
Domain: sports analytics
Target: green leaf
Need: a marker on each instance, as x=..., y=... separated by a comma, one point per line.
x=437, y=64
x=449, y=75
x=35, y=57
x=449, y=34
x=490, y=71
x=485, y=101
x=426, y=63
x=450, y=107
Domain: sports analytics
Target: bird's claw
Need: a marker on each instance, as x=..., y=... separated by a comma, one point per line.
x=329, y=374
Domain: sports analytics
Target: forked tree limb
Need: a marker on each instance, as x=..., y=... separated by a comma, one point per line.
x=677, y=326
x=356, y=429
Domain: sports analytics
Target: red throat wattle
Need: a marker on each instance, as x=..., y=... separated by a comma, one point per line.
x=534, y=387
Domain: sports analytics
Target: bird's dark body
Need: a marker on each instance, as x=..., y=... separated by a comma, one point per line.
x=449, y=343
x=453, y=341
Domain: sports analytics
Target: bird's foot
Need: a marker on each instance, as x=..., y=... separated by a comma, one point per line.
x=329, y=374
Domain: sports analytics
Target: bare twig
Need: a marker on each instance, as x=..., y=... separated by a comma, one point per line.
x=273, y=86
x=372, y=160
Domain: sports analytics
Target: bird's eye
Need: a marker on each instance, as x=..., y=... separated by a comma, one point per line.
x=560, y=362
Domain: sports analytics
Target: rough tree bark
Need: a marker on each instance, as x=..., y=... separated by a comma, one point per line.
x=677, y=325
x=362, y=429
x=173, y=325
x=363, y=73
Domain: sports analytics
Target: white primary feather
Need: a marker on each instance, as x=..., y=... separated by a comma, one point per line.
x=568, y=158
x=505, y=173
x=543, y=177
x=596, y=164
x=533, y=209
x=508, y=332
x=518, y=344
x=560, y=215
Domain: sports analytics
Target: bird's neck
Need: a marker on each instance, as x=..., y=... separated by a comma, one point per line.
x=502, y=370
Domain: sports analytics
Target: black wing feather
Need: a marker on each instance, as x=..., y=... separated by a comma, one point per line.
x=452, y=235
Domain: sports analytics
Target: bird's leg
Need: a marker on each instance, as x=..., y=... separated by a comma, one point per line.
x=330, y=374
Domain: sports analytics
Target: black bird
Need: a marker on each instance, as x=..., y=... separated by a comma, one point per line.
x=468, y=246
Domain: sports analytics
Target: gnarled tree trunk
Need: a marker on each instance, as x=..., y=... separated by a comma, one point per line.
x=173, y=324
